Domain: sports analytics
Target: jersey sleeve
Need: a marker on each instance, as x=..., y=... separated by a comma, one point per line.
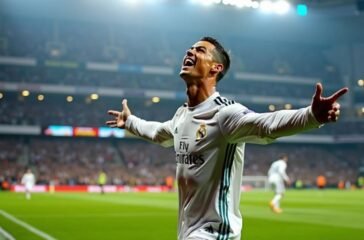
x=239, y=124
x=282, y=171
x=156, y=132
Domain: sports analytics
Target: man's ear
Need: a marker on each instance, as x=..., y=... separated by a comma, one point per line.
x=217, y=68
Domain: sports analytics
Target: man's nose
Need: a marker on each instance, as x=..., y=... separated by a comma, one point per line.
x=190, y=52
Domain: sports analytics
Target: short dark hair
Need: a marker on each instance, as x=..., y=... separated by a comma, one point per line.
x=222, y=55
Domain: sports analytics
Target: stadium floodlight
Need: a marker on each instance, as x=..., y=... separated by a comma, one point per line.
x=94, y=96
x=131, y=2
x=156, y=99
x=40, y=97
x=205, y=2
x=361, y=82
x=266, y=6
x=25, y=93
x=69, y=99
x=1, y=95
x=288, y=106
x=302, y=9
x=210, y=2
x=226, y=2
x=281, y=7
x=255, y=4
x=271, y=107
x=239, y=4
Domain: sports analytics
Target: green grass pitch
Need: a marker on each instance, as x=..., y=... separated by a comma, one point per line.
x=308, y=215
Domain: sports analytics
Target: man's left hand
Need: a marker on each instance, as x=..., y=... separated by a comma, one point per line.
x=326, y=109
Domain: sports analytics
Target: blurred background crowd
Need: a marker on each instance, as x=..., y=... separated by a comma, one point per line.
x=69, y=65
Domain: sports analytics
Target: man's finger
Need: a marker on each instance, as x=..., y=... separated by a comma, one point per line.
x=113, y=112
x=124, y=104
x=111, y=122
x=339, y=93
x=318, y=91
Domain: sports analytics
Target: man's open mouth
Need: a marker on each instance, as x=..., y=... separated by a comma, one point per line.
x=188, y=62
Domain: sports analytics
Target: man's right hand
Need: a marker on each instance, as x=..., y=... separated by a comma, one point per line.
x=120, y=117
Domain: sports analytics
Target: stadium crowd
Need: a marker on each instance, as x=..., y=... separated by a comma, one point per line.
x=132, y=162
x=82, y=111
x=82, y=42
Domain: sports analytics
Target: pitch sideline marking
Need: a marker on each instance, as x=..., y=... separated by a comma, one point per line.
x=6, y=234
x=27, y=226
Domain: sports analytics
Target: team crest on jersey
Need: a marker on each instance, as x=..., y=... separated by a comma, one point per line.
x=201, y=132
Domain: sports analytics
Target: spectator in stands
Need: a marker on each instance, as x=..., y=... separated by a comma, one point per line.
x=321, y=182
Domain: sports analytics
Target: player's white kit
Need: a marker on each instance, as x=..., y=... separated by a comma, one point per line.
x=277, y=175
x=209, y=142
x=28, y=180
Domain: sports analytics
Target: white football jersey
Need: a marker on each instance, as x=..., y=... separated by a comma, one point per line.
x=277, y=171
x=28, y=180
x=209, y=141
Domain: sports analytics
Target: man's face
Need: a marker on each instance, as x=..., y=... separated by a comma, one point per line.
x=198, y=61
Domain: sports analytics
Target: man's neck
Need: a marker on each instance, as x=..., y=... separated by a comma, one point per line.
x=198, y=93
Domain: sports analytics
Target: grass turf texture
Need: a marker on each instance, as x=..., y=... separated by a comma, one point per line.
x=308, y=214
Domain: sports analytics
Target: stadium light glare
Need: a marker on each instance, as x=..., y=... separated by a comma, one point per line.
x=255, y=4
x=302, y=10
x=271, y=107
x=266, y=6
x=25, y=93
x=40, y=97
x=132, y=2
x=69, y=99
x=281, y=7
x=205, y=2
x=94, y=96
x=239, y=4
x=361, y=82
x=288, y=106
x=156, y=99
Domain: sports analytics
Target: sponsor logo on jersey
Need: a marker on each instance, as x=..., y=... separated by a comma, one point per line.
x=201, y=132
x=190, y=159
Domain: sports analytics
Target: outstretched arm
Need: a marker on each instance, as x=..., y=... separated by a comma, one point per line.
x=244, y=125
x=156, y=132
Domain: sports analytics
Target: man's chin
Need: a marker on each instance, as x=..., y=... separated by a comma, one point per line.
x=183, y=73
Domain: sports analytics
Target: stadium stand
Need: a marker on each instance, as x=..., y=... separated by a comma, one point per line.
x=52, y=57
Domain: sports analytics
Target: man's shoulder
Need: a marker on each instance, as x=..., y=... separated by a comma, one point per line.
x=227, y=106
x=224, y=101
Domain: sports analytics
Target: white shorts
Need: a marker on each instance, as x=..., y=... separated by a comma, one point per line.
x=28, y=187
x=278, y=186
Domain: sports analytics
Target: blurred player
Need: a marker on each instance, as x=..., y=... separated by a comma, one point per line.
x=28, y=180
x=277, y=176
x=101, y=180
x=209, y=133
